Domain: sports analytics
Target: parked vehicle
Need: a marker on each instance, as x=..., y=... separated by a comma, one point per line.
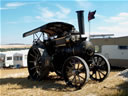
x=65, y=51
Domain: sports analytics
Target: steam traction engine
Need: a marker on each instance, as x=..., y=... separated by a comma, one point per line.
x=63, y=50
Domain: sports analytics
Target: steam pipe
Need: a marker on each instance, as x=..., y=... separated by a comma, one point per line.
x=80, y=17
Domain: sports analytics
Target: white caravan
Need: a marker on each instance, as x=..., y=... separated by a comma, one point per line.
x=16, y=58
x=116, y=54
x=115, y=49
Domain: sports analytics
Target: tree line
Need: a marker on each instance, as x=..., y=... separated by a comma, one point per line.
x=12, y=49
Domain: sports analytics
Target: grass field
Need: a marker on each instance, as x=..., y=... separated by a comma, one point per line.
x=14, y=82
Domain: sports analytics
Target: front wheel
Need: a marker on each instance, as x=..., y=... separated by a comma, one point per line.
x=75, y=71
x=100, y=68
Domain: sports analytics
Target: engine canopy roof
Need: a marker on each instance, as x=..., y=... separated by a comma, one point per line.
x=52, y=29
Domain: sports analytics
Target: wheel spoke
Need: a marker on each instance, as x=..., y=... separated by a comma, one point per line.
x=102, y=63
x=78, y=69
x=35, y=58
x=103, y=67
x=99, y=61
x=72, y=64
x=34, y=73
x=39, y=57
x=34, y=51
x=34, y=67
x=100, y=69
x=31, y=61
x=101, y=72
x=38, y=72
x=32, y=55
x=81, y=69
x=69, y=74
x=68, y=68
x=72, y=61
x=37, y=76
x=37, y=51
x=75, y=80
x=95, y=60
x=81, y=77
x=78, y=66
x=95, y=75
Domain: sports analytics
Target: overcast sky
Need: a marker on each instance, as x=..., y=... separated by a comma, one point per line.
x=19, y=16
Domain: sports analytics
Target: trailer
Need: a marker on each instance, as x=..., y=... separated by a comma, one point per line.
x=2, y=60
x=15, y=59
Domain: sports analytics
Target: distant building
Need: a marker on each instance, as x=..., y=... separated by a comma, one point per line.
x=114, y=49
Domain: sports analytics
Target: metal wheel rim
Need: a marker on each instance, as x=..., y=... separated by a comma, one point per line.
x=100, y=68
x=34, y=63
x=75, y=72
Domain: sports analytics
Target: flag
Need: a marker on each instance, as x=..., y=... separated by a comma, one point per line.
x=91, y=15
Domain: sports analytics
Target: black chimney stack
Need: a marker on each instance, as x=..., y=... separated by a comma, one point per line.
x=80, y=16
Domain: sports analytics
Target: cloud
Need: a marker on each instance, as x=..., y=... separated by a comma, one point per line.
x=124, y=23
x=3, y=8
x=124, y=14
x=99, y=16
x=28, y=19
x=84, y=4
x=119, y=18
x=117, y=25
x=63, y=11
x=24, y=19
x=11, y=22
x=115, y=28
x=47, y=14
x=15, y=4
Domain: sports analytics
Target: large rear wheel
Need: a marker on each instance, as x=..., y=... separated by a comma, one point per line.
x=38, y=67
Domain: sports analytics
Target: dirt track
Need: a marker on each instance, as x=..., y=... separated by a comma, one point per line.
x=14, y=82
